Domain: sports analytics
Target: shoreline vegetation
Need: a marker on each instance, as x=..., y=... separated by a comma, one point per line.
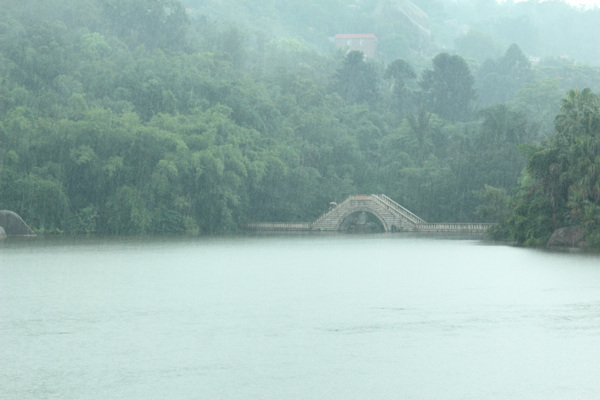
x=185, y=117
x=165, y=238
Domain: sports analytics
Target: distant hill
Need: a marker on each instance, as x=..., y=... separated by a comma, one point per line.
x=414, y=28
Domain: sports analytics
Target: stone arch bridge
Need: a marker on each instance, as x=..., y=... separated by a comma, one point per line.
x=369, y=213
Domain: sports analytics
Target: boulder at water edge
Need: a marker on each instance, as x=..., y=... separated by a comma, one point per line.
x=570, y=236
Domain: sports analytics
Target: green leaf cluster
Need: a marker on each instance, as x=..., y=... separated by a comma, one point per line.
x=138, y=117
x=561, y=184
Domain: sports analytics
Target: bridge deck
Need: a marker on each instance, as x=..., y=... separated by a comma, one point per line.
x=279, y=226
x=428, y=227
x=393, y=218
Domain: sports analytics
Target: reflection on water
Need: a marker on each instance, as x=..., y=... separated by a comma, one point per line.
x=311, y=317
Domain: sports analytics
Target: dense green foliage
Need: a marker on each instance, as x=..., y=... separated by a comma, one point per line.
x=561, y=185
x=135, y=116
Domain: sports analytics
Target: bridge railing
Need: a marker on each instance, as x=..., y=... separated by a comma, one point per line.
x=279, y=226
x=384, y=201
x=457, y=227
x=382, y=198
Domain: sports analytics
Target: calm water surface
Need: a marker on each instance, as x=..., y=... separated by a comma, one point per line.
x=311, y=317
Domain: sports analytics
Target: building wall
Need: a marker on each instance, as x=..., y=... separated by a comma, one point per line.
x=365, y=43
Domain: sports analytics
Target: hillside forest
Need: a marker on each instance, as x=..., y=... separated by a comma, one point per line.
x=197, y=117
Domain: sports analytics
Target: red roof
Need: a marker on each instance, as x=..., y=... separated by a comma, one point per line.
x=356, y=36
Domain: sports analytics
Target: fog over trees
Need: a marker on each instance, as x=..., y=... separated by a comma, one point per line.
x=168, y=116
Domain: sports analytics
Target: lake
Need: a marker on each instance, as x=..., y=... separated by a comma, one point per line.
x=387, y=316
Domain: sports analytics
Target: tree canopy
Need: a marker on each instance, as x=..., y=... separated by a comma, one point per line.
x=561, y=184
x=160, y=116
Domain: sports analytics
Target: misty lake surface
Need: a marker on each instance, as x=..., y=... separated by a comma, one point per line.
x=296, y=317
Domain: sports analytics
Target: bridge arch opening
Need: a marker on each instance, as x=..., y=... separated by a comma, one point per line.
x=361, y=222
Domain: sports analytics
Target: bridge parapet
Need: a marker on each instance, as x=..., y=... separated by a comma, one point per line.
x=455, y=227
x=392, y=216
x=279, y=226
